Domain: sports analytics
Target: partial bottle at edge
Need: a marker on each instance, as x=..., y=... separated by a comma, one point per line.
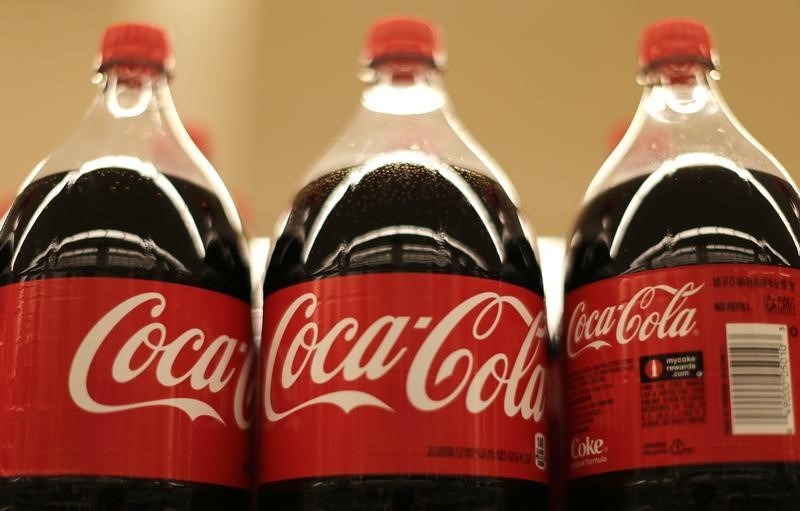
x=680, y=354
x=405, y=343
x=125, y=342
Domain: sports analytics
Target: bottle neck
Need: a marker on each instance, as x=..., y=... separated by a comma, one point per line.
x=675, y=92
x=404, y=87
x=679, y=72
x=134, y=93
x=134, y=109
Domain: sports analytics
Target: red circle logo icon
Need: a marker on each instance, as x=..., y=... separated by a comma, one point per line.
x=654, y=369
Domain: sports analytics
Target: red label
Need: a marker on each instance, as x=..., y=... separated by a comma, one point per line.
x=689, y=365
x=409, y=373
x=124, y=377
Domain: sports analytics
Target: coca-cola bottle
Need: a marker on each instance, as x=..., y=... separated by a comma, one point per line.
x=404, y=347
x=680, y=356
x=125, y=342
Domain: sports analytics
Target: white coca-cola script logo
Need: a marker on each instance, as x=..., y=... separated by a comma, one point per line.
x=212, y=368
x=376, y=348
x=633, y=320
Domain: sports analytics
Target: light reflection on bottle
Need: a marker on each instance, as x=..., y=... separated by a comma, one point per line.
x=145, y=169
x=690, y=160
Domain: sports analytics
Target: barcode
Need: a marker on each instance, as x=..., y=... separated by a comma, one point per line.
x=760, y=379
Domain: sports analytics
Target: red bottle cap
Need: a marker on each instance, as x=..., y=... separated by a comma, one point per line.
x=135, y=43
x=402, y=36
x=673, y=39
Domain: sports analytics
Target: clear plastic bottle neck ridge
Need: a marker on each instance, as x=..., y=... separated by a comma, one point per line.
x=405, y=115
x=133, y=124
x=682, y=121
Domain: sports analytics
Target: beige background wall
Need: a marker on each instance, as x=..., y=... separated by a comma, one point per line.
x=538, y=82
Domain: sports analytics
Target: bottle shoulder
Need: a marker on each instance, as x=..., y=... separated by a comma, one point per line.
x=683, y=126
x=381, y=136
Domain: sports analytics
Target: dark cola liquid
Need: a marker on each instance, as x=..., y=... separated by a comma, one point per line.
x=119, y=223
x=675, y=223
x=402, y=217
